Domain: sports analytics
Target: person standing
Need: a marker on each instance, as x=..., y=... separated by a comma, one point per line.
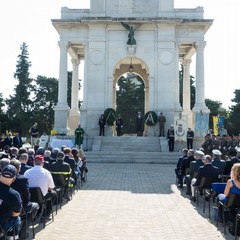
x=101, y=124
x=43, y=141
x=79, y=136
x=119, y=125
x=190, y=136
x=139, y=123
x=171, y=138
x=161, y=120
x=34, y=134
x=17, y=140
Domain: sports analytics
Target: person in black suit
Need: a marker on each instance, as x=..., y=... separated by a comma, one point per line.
x=71, y=161
x=101, y=124
x=230, y=162
x=190, y=136
x=8, y=140
x=171, y=138
x=23, y=160
x=17, y=141
x=208, y=170
x=21, y=186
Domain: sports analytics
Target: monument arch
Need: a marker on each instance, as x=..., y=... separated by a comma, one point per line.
x=155, y=34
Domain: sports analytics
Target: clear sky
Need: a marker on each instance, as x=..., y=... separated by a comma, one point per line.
x=30, y=21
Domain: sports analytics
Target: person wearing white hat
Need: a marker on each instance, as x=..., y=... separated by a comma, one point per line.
x=194, y=165
x=217, y=161
x=170, y=137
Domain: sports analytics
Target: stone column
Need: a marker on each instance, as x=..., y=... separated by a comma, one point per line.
x=186, y=85
x=74, y=114
x=177, y=103
x=200, y=95
x=62, y=108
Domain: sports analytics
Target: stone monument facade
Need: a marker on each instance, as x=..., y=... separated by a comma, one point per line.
x=164, y=38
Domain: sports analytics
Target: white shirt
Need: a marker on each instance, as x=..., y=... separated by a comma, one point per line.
x=40, y=177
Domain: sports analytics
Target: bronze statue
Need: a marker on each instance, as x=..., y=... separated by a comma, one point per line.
x=131, y=39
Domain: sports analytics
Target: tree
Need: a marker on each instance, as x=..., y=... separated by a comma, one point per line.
x=20, y=104
x=235, y=113
x=130, y=100
x=46, y=93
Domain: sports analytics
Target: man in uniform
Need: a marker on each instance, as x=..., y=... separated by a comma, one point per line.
x=161, y=120
x=119, y=125
x=171, y=137
x=139, y=123
x=101, y=124
x=190, y=136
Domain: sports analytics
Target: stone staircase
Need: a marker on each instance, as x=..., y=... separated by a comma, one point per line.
x=131, y=149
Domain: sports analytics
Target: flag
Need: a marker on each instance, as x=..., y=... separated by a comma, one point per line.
x=215, y=125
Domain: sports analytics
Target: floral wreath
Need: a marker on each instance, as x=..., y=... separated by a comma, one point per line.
x=150, y=118
x=110, y=116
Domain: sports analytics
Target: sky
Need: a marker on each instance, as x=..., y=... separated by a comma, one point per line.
x=29, y=21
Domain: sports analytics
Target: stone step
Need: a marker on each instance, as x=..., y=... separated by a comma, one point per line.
x=132, y=157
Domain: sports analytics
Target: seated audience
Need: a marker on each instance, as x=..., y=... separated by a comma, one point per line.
x=181, y=167
x=24, y=167
x=10, y=203
x=217, y=161
x=83, y=164
x=230, y=162
x=21, y=186
x=40, y=177
x=208, y=170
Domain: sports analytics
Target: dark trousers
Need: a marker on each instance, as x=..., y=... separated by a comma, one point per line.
x=171, y=144
x=101, y=132
x=189, y=143
x=53, y=195
x=161, y=131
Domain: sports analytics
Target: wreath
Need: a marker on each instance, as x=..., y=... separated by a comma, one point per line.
x=110, y=116
x=150, y=118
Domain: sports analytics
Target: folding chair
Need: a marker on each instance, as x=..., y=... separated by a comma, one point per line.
x=232, y=204
x=24, y=217
x=37, y=196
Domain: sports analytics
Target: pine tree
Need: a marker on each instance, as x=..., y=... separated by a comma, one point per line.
x=20, y=104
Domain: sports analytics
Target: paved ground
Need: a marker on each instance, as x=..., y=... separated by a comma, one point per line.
x=131, y=201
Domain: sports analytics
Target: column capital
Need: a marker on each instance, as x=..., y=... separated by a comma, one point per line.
x=63, y=44
x=75, y=62
x=186, y=62
x=199, y=45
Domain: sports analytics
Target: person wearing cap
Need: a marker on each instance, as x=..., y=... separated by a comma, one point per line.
x=171, y=137
x=194, y=165
x=139, y=124
x=41, y=177
x=190, y=136
x=217, y=161
x=10, y=202
x=21, y=186
x=62, y=168
x=208, y=170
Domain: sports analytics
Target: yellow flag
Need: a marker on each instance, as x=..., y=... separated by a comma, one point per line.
x=215, y=127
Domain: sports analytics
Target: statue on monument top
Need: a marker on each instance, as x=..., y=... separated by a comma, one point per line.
x=131, y=40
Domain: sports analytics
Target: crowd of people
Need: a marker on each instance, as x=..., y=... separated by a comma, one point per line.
x=198, y=169
x=24, y=168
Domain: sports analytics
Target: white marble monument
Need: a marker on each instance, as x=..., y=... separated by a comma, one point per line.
x=165, y=37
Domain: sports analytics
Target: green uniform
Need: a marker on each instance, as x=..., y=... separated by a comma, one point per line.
x=79, y=136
